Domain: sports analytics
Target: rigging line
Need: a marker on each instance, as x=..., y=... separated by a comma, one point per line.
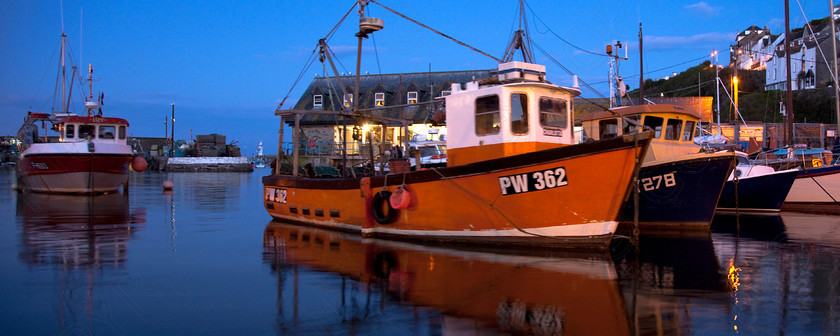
x=830, y=71
x=40, y=83
x=306, y=66
x=675, y=65
x=335, y=58
x=329, y=35
x=545, y=53
x=488, y=203
x=657, y=70
x=376, y=53
x=682, y=88
x=558, y=36
x=791, y=58
x=593, y=102
x=435, y=31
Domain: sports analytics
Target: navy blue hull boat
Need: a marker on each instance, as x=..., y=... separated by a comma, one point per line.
x=754, y=191
x=679, y=193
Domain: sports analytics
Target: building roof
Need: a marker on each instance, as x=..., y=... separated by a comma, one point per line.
x=394, y=88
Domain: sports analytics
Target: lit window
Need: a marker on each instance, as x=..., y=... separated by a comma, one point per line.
x=379, y=97
x=487, y=115
x=318, y=101
x=348, y=99
x=412, y=97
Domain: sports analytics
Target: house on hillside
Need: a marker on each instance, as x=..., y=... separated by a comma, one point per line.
x=809, y=51
x=752, y=48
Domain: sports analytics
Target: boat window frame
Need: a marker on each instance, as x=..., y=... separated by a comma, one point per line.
x=103, y=132
x=564, y=113
x=521, y=128
x=688, y=132
x=70, y=131
x=627, y=127
x=86, y=131
x=122, y=132
x=657, y=129
x=674, y=133
x=482, y=114
x=604, y=124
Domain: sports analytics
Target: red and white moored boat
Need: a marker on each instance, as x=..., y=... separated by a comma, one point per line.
x=89, y=155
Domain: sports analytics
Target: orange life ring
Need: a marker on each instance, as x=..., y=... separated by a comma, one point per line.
x=311, y=142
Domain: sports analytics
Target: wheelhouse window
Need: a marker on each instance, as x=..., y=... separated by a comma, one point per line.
x=487, y=115
x=106, y=132
x=630, y=123
x=70, y=131
x=86, y=131
x=688, y=132
x=379, y=98
x=122, y=132
x=519, y=113
x=412, y=97
x=608, y=128
x=654, y=123
x=553, y=112
x=673, y=129
x=348, y=99
x=317, y=101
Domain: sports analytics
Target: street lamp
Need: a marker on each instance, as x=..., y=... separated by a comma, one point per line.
x=735, y=91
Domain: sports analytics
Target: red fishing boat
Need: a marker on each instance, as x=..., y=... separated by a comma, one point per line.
x=88, y=155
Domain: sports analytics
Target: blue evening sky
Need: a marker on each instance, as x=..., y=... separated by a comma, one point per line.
x=226, y=65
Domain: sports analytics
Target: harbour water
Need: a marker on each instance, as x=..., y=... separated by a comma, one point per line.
x=206, y=259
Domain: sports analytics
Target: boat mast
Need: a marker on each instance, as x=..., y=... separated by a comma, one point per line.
x=63, y=70
x=834, y=74
x=520, y=40
x=641, y=69
x=789, y=101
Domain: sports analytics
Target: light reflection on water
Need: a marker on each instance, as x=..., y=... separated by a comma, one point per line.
x=206, y=258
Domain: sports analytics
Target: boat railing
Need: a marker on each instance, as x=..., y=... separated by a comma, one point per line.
x=332, y=149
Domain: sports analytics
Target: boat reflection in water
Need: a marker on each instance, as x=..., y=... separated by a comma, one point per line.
x=76, y=231
x=85, y=239
x=784, y=271
x=672, y=282
x=472, y=291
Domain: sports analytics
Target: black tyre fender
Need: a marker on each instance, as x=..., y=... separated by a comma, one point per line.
x=379, y=213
